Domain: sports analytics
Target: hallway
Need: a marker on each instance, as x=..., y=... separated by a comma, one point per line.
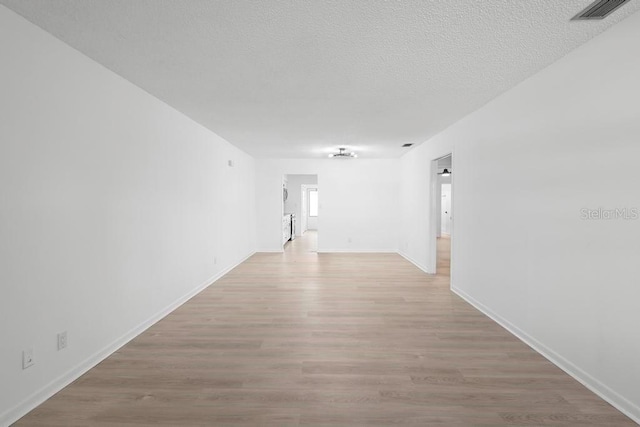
x=307, y=243
x=443, y=247
x=301, y=338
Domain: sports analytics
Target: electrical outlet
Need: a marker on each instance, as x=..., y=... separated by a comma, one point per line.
x=215, y=260
x=62, y=340
x=27, y=358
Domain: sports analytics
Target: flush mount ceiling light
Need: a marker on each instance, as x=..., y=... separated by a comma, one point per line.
x=445, y=173
x=343, y=153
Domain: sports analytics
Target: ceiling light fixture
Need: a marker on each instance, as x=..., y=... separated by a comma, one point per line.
x=343, y=153
x=445, y=172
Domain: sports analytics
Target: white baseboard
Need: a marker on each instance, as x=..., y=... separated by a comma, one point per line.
x=611, y=396
x=414, y=262
x=14, y=414
x=357, y=251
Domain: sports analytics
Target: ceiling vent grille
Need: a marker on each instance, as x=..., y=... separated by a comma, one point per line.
x=599, y=9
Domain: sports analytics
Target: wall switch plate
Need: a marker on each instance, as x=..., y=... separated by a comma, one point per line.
x=27, y=358
x=62, y=340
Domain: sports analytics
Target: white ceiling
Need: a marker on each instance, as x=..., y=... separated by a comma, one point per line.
x=296, y=79
x=444, y=162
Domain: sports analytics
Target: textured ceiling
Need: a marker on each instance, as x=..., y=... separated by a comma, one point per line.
x=297, y=78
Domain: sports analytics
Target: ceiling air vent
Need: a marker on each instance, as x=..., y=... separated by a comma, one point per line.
x=599, y=9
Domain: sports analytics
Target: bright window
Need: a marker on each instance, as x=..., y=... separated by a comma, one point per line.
x=313, y=202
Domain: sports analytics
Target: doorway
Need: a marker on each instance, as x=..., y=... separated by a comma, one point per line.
x=442, y=215
x=301, y=204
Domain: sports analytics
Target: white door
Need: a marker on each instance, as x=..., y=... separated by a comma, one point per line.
x=446, y=209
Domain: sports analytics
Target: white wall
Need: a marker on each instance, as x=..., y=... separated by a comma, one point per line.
x=113, y=208
x=567, y=286
x=416, y=208
x=294, y=202
x=358, y=203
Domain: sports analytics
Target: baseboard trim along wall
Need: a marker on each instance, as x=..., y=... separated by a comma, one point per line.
x=414, y=262
x=612, y=397
x=356, y=251
x=37, y=398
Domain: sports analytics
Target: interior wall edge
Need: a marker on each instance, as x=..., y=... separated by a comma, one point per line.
x=414, y=262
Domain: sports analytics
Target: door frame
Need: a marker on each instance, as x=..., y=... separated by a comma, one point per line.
x=435, y=213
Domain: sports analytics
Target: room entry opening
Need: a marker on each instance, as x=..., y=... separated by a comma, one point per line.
x=301, y=208
x=442, y=214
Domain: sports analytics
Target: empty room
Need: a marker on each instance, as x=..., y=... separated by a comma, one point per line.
x=319, y=213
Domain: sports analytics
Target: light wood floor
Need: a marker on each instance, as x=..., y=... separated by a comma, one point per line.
x=302, y=338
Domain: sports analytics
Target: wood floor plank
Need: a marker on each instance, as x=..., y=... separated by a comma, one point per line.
x=308, y=339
